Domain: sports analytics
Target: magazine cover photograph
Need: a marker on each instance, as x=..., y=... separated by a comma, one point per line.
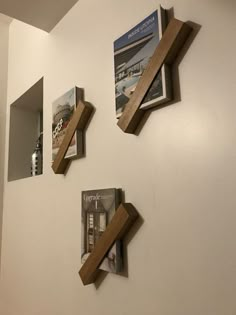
x=132, y=53
x=62, y=111
x=98, y=208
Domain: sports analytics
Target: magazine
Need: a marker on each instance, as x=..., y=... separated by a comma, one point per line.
x=98, y=208
x=62, y=111
x=132, y=53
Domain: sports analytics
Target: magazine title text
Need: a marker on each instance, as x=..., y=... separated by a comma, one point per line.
x=141, y=28
x=96, y=197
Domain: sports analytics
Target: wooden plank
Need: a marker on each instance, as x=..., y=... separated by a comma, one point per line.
x=124, y=217
x=173, y=39
x=78, y=122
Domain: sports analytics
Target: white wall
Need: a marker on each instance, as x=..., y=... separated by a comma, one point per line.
x=179, y=172
x=4, y=34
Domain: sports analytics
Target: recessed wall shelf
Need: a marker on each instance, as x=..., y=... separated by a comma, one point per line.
x=170, y=44
x=123, y=219
x=78, y=122
x=26, y=124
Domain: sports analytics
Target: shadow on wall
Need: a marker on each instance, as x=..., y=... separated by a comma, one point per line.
x=1, y=215
x=2, y=151
x=4, y=37
x=176, y=91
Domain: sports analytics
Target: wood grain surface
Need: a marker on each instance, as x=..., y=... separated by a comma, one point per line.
x=78, y=122
x=124, y=217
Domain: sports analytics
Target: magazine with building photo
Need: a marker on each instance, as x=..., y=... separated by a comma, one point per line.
x=132, y=53
x=98, y=208
x=62, y=111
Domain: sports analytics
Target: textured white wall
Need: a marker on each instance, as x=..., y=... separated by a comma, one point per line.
x=179, y=172
x=4, y=33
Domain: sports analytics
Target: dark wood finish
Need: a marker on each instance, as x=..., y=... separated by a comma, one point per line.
x=173, y=39
x=124, y=217
x=78, y=122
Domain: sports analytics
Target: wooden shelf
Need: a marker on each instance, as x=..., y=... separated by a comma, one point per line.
x=78, y=122
x=170, y=44
x=124, y=217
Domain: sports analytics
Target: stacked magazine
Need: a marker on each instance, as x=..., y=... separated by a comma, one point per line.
x=132, y=53
x=98, y=208
x=62, y=111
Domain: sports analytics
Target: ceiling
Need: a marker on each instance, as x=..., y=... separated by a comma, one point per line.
x=43, y=14
x=5, y=19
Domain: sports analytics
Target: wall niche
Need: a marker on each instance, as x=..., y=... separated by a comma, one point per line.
x=26, y=125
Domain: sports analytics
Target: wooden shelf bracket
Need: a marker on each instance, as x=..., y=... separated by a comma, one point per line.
x=124, y=217
x=170, y=44
x=78, y=121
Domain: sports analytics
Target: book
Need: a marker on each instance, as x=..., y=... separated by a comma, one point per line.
x=62, y=111
x=97, y=210
x=132, y=53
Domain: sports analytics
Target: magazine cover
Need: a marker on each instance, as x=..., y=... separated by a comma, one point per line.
x=98, y=208
x=62, y=111
x=132, y=53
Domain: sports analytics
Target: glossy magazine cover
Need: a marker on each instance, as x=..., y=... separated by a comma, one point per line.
x=132, y=53
x=98, y=208
x=62, y=111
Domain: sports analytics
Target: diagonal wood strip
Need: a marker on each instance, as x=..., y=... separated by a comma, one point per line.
x=124, y=217
x=78, y=122
x=173, y=39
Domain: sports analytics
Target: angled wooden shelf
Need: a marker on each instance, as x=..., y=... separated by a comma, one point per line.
x=78, y=121
x=124, y=217
x=170, y=44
